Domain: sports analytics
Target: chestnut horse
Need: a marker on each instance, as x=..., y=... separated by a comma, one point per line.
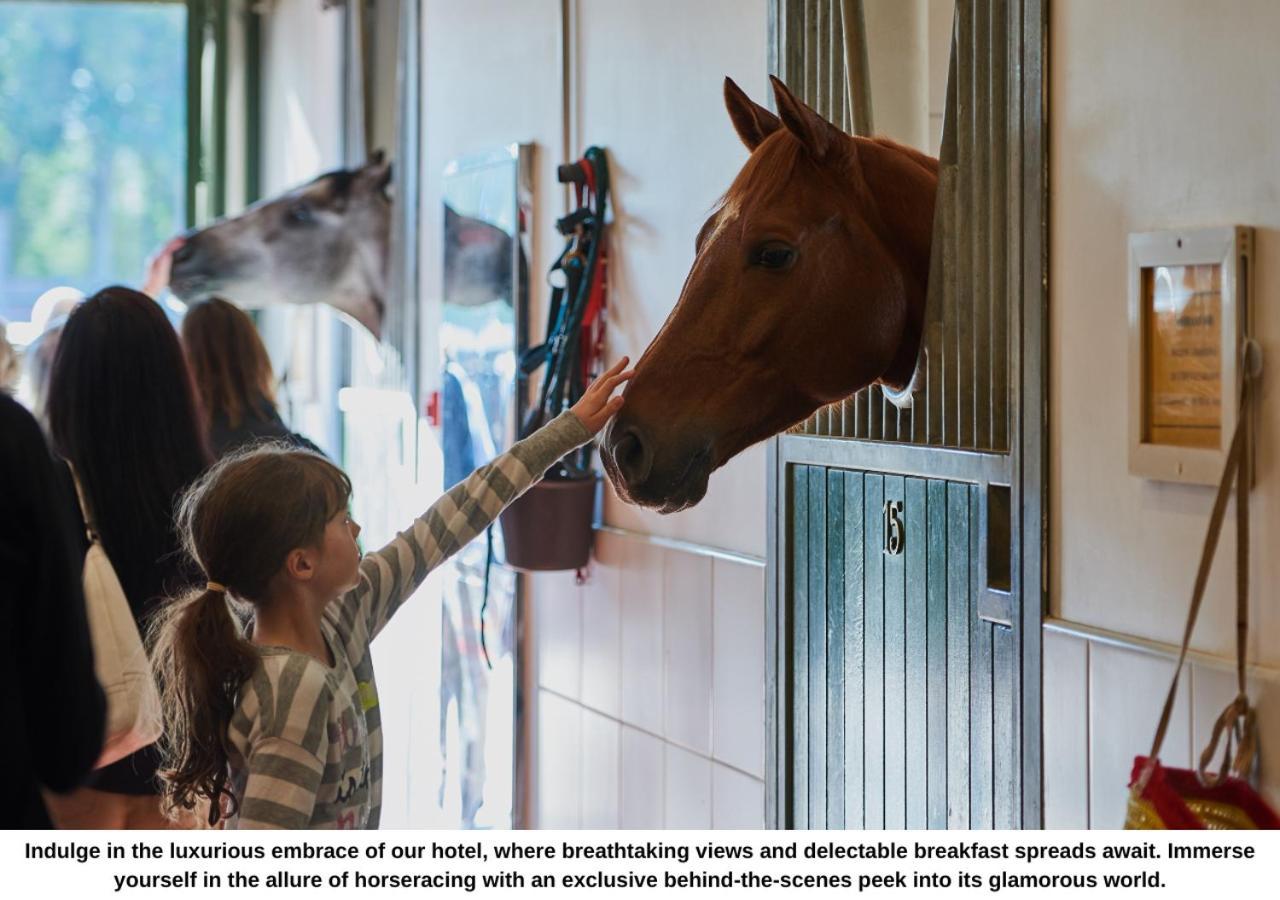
x=808, y=284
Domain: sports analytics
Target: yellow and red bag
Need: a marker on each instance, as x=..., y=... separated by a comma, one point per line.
x=1176, y=799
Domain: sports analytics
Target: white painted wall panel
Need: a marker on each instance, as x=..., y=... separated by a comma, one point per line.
x=649, y=88
x=1162, y=116
x=1066, y=732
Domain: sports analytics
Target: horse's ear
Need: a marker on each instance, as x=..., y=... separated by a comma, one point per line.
x=378, y=170
x=752, y=121
x=817, y=135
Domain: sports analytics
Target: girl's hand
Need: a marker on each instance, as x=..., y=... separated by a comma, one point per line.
x=158, y=268
x=597, y=406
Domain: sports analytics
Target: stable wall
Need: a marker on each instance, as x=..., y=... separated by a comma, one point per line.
x=648, y=681
x=648, y=85
x=649, y=701
x=651, y=675
x=301, y=137
x=1162, y=115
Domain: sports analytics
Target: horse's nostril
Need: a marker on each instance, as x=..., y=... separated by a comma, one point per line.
x=633, y=456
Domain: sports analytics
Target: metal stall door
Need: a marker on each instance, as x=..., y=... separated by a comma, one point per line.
x=906, y=546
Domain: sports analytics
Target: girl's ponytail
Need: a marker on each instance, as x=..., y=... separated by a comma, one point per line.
x=238, y=522
x=201, y=659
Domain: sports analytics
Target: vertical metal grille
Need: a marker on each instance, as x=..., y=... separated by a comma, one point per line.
x=820, y=49
x=815, y=44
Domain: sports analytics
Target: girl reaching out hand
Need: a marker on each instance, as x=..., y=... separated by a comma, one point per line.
x=279, y=726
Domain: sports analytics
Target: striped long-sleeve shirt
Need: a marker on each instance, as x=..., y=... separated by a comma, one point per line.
x=307, y=738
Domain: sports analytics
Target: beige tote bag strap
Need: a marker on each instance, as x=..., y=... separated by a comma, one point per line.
x=1236, y=470
x=1238, y=722
x=90, y=531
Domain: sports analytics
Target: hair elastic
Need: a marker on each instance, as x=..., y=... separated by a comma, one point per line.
x=216, y=588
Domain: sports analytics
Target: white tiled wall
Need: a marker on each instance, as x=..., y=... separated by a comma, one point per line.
x=1101, y=704
x=650, y=701
x=602, y=744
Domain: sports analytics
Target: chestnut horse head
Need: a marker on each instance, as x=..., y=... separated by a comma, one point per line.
x=808, y=284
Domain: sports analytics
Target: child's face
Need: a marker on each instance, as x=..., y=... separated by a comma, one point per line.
x=338, y=569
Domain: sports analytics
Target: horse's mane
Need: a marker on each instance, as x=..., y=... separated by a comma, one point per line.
x=766, y=170
x=926, y=162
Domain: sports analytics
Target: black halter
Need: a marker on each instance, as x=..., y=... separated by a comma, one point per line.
x=574, y=345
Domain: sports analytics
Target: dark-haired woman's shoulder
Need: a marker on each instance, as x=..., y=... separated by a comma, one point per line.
x=265, y=426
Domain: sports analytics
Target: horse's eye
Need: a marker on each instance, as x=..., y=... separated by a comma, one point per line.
x=773, y=255
x=300, y=214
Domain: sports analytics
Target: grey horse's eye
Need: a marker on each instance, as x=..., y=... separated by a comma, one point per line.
x=299, y=214
x=773, y=255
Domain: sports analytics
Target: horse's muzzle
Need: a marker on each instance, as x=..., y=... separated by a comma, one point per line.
x=648, y=473
x=192, y=276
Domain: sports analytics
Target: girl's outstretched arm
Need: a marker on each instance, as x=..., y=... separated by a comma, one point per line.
x=391, y=574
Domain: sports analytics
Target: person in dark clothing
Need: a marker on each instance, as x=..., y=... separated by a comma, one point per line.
x=123, y=413
x=233, y=378
x=55, y=708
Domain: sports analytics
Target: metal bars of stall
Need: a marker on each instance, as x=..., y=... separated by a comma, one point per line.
x=820, y=49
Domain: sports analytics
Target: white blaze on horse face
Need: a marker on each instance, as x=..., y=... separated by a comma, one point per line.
x=728, y=214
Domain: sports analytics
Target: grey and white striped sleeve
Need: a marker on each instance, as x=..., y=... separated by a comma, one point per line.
x=394, y=572
x=287, y=710
x=280, y=792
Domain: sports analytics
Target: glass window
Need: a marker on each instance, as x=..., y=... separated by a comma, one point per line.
x=92, y=145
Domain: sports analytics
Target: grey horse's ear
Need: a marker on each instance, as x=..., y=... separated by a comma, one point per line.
x=817, y=135
x=752, y=121
x=377, y=170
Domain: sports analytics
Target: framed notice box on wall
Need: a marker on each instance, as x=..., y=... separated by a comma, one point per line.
x=1188, y=318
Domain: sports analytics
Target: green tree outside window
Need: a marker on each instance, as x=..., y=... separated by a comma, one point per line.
x=93, y=134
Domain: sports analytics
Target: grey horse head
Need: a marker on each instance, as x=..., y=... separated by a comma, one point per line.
x=324, y=242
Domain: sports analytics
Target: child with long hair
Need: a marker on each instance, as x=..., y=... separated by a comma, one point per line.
x=279, y=726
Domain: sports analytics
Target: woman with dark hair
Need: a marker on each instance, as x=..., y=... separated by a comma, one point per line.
x=233, y=378
x=123, y=413
x=53, y=734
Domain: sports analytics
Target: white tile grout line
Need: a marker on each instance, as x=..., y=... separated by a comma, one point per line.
x=711, y=726
x=1088, y=735
x=647, y=732
x=691, y=547
x=1149, y=647
x=579, y=592
x=662, y=612
x=617, y=767
x=582, y=769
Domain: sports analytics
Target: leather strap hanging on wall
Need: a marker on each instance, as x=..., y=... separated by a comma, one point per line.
x=1161, y=797
x=574, y=345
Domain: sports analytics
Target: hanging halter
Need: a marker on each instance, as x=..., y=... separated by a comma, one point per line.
x=574, y=347
x=572, y=353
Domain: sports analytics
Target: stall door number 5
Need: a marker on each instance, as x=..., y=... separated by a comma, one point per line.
x=894, y=534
